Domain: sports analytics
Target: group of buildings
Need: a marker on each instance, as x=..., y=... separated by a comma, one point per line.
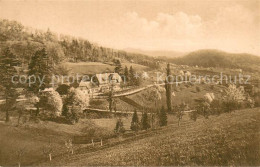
x=101, y=83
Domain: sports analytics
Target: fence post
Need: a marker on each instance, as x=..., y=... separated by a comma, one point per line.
x=92, y=142
x=101, y=143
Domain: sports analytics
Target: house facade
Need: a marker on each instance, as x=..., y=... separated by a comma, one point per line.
x=101, y=83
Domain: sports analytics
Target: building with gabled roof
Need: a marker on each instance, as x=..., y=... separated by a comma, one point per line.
x=101, y=83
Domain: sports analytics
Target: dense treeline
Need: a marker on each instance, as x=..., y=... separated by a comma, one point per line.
x=24, y=42
x=215, y=58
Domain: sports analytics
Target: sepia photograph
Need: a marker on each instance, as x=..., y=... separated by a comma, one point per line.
x=129, y=83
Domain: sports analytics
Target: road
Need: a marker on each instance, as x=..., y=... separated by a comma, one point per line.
x=130, y=92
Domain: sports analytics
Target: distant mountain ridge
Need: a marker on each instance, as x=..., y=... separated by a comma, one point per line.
x=217, y=58
x=157, y=53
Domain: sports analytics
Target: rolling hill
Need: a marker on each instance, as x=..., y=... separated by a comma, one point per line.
x=216, y=58
x=157, y=53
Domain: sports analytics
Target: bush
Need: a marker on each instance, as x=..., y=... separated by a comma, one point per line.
x=51, y=101
x=233, y=98
x=119, y=127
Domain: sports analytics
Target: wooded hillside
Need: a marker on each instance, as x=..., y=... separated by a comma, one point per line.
x=24, y=42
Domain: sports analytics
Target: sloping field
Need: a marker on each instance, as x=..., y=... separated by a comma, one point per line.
x=184, y=94
x=98, y=67
x=228, y=139
x=33, y=137
x=137, y=67
x=89, y=67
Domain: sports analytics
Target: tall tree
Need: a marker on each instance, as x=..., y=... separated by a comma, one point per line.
x=118, y=67
x=74, y=104
x=55, y=52
x=40, y=72
x=162, y=117
x=53, y=102
x=126, y=74
x=168, y=88
x=145, y=122
x=131, y=75
x=110, y=97
x=135, y=122
x=133, y=78
x=8, y=62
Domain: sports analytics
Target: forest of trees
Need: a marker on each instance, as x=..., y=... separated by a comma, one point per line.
x=24, y=42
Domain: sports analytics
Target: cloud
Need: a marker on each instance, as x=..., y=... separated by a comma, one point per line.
x=234, y=28
x=232, y=22
x=179, y=25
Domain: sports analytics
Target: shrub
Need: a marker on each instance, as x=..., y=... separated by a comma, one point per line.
x=233, y=98
x=203, y=108
x=52, y=101
x=119, y=127
x=216, y=107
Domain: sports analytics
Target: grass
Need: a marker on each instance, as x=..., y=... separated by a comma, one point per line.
x=98, y=67
x=32, y=137
x=103, y=104
x=89, y=67
x=229, y=139
x=184, y=94
x=136, y=67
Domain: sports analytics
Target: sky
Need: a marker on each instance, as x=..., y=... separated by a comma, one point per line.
x=172, y=25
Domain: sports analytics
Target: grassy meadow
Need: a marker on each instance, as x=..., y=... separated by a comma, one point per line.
x=98, y=67
x=228, y=139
